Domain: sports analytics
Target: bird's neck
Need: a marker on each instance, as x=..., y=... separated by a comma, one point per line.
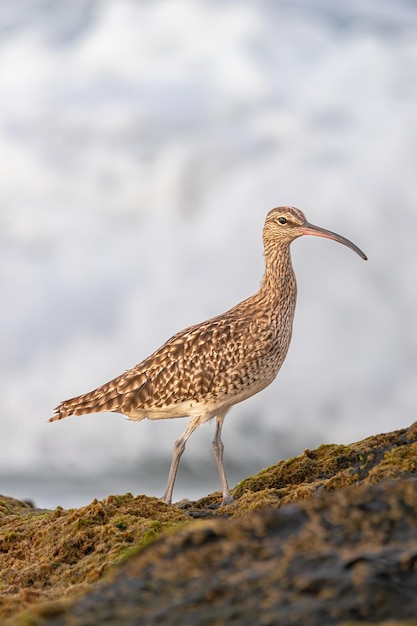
x=278, y=283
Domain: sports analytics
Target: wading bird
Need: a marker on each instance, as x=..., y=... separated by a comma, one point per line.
x=202, y=371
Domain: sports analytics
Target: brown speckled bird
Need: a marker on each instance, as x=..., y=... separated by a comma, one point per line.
x=202, y=371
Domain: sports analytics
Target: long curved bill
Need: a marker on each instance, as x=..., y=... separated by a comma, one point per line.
x=310, y=229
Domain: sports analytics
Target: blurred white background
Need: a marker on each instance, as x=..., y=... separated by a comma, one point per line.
x=141, y=146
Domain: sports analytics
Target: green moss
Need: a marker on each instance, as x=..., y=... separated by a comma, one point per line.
x=80, y=522
x=398, y=460
x=151, y=534
x=10, y=506
x=308, y=467
x=62, y=550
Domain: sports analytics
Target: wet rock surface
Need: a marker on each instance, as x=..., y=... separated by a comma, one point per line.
x=327, y=537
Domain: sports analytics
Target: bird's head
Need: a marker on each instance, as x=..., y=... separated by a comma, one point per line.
x=286, y=223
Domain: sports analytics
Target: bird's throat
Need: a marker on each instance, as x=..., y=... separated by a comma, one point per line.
x=279, y=283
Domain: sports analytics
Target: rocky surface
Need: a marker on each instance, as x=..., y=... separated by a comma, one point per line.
x=327, y=537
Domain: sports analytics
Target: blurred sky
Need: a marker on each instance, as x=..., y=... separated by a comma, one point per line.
x=141, y=145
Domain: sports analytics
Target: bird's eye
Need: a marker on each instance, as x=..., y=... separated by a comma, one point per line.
x=282, y=220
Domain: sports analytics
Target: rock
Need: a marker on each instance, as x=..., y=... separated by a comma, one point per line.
x=324, y=538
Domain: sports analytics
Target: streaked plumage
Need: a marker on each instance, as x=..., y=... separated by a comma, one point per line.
x=205, y=369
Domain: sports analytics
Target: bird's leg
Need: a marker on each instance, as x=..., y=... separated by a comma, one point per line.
x=179, y=448
x=218, y=455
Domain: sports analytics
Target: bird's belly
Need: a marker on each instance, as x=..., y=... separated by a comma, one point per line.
x=187, y=408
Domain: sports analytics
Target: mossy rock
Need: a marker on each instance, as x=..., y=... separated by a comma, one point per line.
x=57, y=556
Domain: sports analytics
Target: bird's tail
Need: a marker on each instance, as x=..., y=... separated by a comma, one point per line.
x=104, y=398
